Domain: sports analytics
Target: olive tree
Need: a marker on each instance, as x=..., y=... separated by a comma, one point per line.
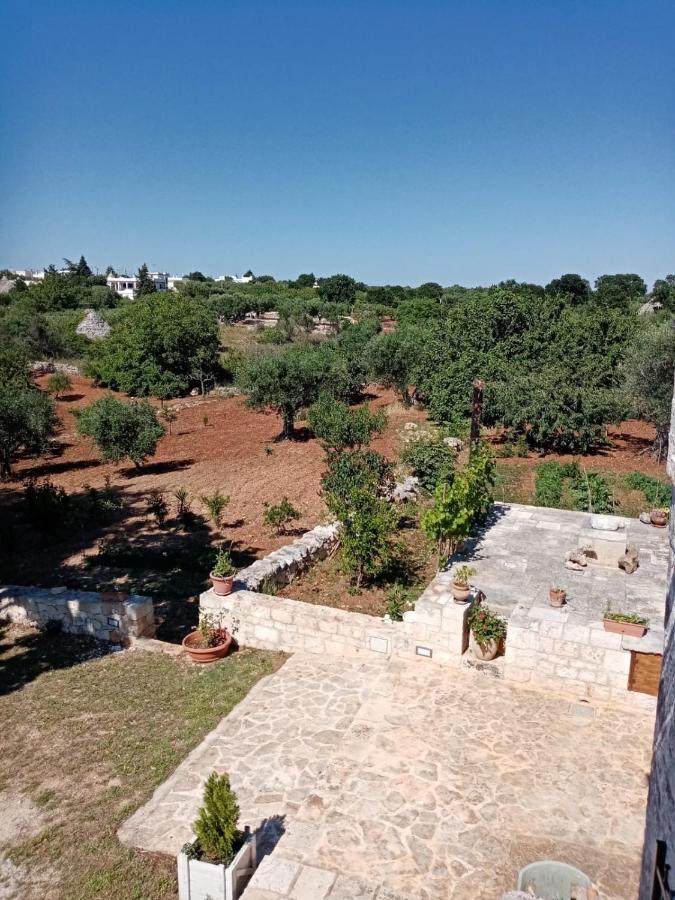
x=121, y=430
x=28, y=422
x=648, y=379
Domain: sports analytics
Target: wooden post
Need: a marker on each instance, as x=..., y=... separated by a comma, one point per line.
x=476, y=413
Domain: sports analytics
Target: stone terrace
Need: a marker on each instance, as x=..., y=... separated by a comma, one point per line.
x=393, y=779
x=520, y=554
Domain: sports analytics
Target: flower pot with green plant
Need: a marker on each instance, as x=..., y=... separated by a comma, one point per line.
x=488, y=631
x=625, y=623
x=222, y=573
x=220, y=861
x=659, y=517
x=461, y=589
x=208, y=642
x=557, y=596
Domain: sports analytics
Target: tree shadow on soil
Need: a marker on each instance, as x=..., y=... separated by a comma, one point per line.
x=26, y=655
x=158, y=468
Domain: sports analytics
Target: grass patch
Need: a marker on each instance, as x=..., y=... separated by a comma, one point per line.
x=88, y=741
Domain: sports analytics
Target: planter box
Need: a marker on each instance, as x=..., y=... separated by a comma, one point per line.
x=625, y=628
x=198, y=880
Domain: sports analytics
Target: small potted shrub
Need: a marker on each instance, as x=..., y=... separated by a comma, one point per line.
x=488, y=630
x=208, y=642
x=659, y=517
x=220, y=861
x=557, y=596
x=222, y=574
x=460, y=583
x=113, y=592
x=625, y=623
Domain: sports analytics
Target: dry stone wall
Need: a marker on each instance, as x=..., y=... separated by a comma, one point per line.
x=79, y=612
x=280, y=566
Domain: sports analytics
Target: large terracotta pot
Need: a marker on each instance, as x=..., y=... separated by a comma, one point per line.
x=222, y=585
x=484, y=652
x=461, y=592
x=658, y=518
x=630, y=628
x=205, y=654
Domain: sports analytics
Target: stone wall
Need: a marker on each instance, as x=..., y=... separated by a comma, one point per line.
x=660, y=824
x=435, y=630
x=560, y=650
x=280, y=566
x=80, y=612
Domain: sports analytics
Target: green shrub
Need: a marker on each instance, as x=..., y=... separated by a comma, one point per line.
x=548, y=485
x=657, y=493
x=368, y=522
x=590, y=492
x=215, y=504
x=217, y=835
x=121, y=430
x=157, y=506
x=354, y=469
x=28, y=422
x=223, y=566
x=47, y=506
x=399, y=600
x=340, y=427
x=280, y=515
x=429, y=459
x=58, y=383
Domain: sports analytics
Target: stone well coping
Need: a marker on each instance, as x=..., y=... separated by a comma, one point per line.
x=80, y=612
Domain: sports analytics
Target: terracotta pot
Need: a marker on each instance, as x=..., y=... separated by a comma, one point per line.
x=658, y=518
x=629, y=628
x=556, y=597
x=484, y=652
x=205, y=654
x=461, y=592
x=114, y=596
x=222, y=585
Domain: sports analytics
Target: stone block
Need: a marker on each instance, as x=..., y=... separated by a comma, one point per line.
x=617, y=661
x=275, y=874
x=312, y=884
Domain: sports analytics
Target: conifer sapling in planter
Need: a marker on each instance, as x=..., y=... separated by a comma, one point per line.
x=222, y=574
x=220, y=861
x=461, y=589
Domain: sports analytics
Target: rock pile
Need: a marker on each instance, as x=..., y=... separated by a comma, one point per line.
x=93, y=326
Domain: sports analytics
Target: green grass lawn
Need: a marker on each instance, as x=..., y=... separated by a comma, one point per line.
x=87, y=740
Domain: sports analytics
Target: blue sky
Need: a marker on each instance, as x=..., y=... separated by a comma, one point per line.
x=460, y=142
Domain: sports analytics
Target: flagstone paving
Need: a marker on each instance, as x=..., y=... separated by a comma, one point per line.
x=387, y=779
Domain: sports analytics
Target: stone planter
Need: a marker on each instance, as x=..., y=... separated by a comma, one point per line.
x=461, y=592
x=199, y=880
x=222, y=584
x=484, y=652
x=205, y=654
x=630, y=628
x=556, y=597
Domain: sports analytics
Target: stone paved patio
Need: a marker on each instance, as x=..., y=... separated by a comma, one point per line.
x=387, y=780
x=521, y=550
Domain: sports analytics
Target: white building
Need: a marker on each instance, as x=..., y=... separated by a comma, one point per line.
x=125, y=285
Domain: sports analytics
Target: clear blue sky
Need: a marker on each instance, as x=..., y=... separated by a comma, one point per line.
x=460, y=142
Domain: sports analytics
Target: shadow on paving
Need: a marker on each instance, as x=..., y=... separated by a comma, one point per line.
x=26, y=654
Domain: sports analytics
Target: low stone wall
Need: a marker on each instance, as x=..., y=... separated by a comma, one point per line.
x=280, y=566
x=80, y=612
x=435, y=630
x=559, y=650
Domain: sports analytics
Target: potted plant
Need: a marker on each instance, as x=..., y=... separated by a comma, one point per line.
x=488, y=630
x=460, y=583
x=208, y=642
x=113, y=592
x=625, y=623
x=220, y=861
x=557, y=596
x=222, y=574
x=659, y=517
